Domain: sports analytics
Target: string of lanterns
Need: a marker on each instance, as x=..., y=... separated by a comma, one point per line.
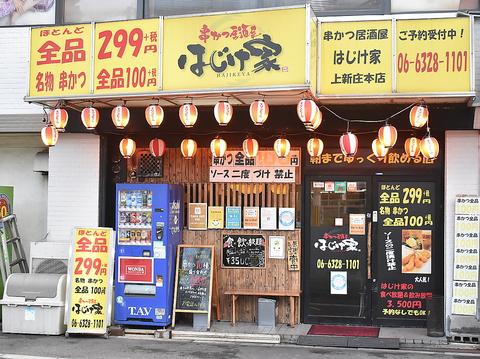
x=307, y=110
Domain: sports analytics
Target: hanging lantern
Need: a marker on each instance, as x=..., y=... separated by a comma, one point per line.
x=250, y=147
x=259, y=112
x=348, y=144
x=49, y=135
x=188, y=114
x=188, y=147
x=154, y=115
x=90, y=117
x=306, y=111
x=379, y=149
x=429, y=147
x=218, y=146
x=387, y=135
x=127, y=147
x=120, y=116
x=317, y=120
x=223, y=112
x=315, y=147
x=281, y=147
x=59, y=118
x=157, y=147
x=418, y=116
x=412, y=147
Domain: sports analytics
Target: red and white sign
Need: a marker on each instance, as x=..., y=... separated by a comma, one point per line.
x=135, y=270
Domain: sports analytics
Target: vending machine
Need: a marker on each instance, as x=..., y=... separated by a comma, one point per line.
x=149, y=227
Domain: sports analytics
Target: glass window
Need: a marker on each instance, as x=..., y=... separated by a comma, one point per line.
x=405, y=6
x=27, y=12
x=77, y=11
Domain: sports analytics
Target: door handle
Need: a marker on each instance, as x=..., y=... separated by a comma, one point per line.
x=369, y=250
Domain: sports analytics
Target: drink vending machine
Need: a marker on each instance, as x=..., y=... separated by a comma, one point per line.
x=149, y=227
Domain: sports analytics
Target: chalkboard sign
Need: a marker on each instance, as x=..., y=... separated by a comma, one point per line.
x=243, y=251
x=193, y=283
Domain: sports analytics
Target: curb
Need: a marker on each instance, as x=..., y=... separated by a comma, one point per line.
x=226, y=337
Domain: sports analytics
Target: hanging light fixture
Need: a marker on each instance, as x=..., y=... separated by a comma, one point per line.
x=157, y=147
x=379, y=149
x=223, y=112
x=49, y=135
x=259, y=112
x=188, y=147
x=154, y=115
x=315, y=147
x=120, y=116
x=59, y=118
x=281, y=147
x=218, y=146
x=429, y=146
x=127, y=147
x=348, y=143
x=387, y=135
x=412, y=147
x=188, y=114
x=90, y=117
x=306, y=111
x=418, y=116
x=317, y=121
x=250, y=147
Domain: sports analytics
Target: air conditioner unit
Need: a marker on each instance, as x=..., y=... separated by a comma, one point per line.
x=49, y=257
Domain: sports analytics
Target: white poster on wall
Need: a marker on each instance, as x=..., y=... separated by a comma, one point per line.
x=276, y=246
x=286, y=219
x=338, y=282
x=268, y=217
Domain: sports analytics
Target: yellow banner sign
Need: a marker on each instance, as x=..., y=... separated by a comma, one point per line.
x=236, y=50
x=90, y=275
x=433, y=55
x=127, y=56
x=60, y=60
x=356, y=57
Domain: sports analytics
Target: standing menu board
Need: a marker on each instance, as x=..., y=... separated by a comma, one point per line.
x=194, y=278
x=405, y=249
x=243, y=251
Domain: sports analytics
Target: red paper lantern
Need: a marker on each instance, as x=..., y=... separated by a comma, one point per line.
x=218, y=146
x=127, y=147
x=49, y=135
x=259, y=112
x=188, y=147
x=387, y=135
x=154, y=115
x=418, y=116
x=412, y=147
x=188, y=114
x=429, y=147
x=157, y=147
x=90, y=117
x=120, y=116
x=348, y=144
x=306, y=111
x=379, y=149
x=315, y=147
x=59, y=118
x=250, y=147
x=223, y=112
x=281, y=147
x=317, y=121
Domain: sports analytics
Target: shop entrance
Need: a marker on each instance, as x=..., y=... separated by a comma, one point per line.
x=368, y=250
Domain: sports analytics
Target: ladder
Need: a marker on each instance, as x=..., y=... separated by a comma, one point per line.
x=11, y=249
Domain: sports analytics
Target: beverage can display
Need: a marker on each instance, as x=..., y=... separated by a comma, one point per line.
x=123, y=199
x=134, y=200
x=149, y=199
x=128, y=199
x=144, y=199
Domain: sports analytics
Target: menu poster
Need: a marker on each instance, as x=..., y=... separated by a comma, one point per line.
x=243, y=251
x=464, y=301
x=251, y=217
x=268, y=217
x=233, y=217
x=215, y=217
x=357, y=224
x=197, y=216
x=286, y=219
x=466, y=258
x=467, y=204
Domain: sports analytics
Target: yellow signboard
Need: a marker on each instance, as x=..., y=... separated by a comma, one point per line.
x=356, y=57
x=127, y=56
x=90, y=276
x=235, y=50
x=60, y=60
x=433, y=55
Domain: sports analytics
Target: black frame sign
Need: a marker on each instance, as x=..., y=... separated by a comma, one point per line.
x=193, y=280
x=243, y=251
